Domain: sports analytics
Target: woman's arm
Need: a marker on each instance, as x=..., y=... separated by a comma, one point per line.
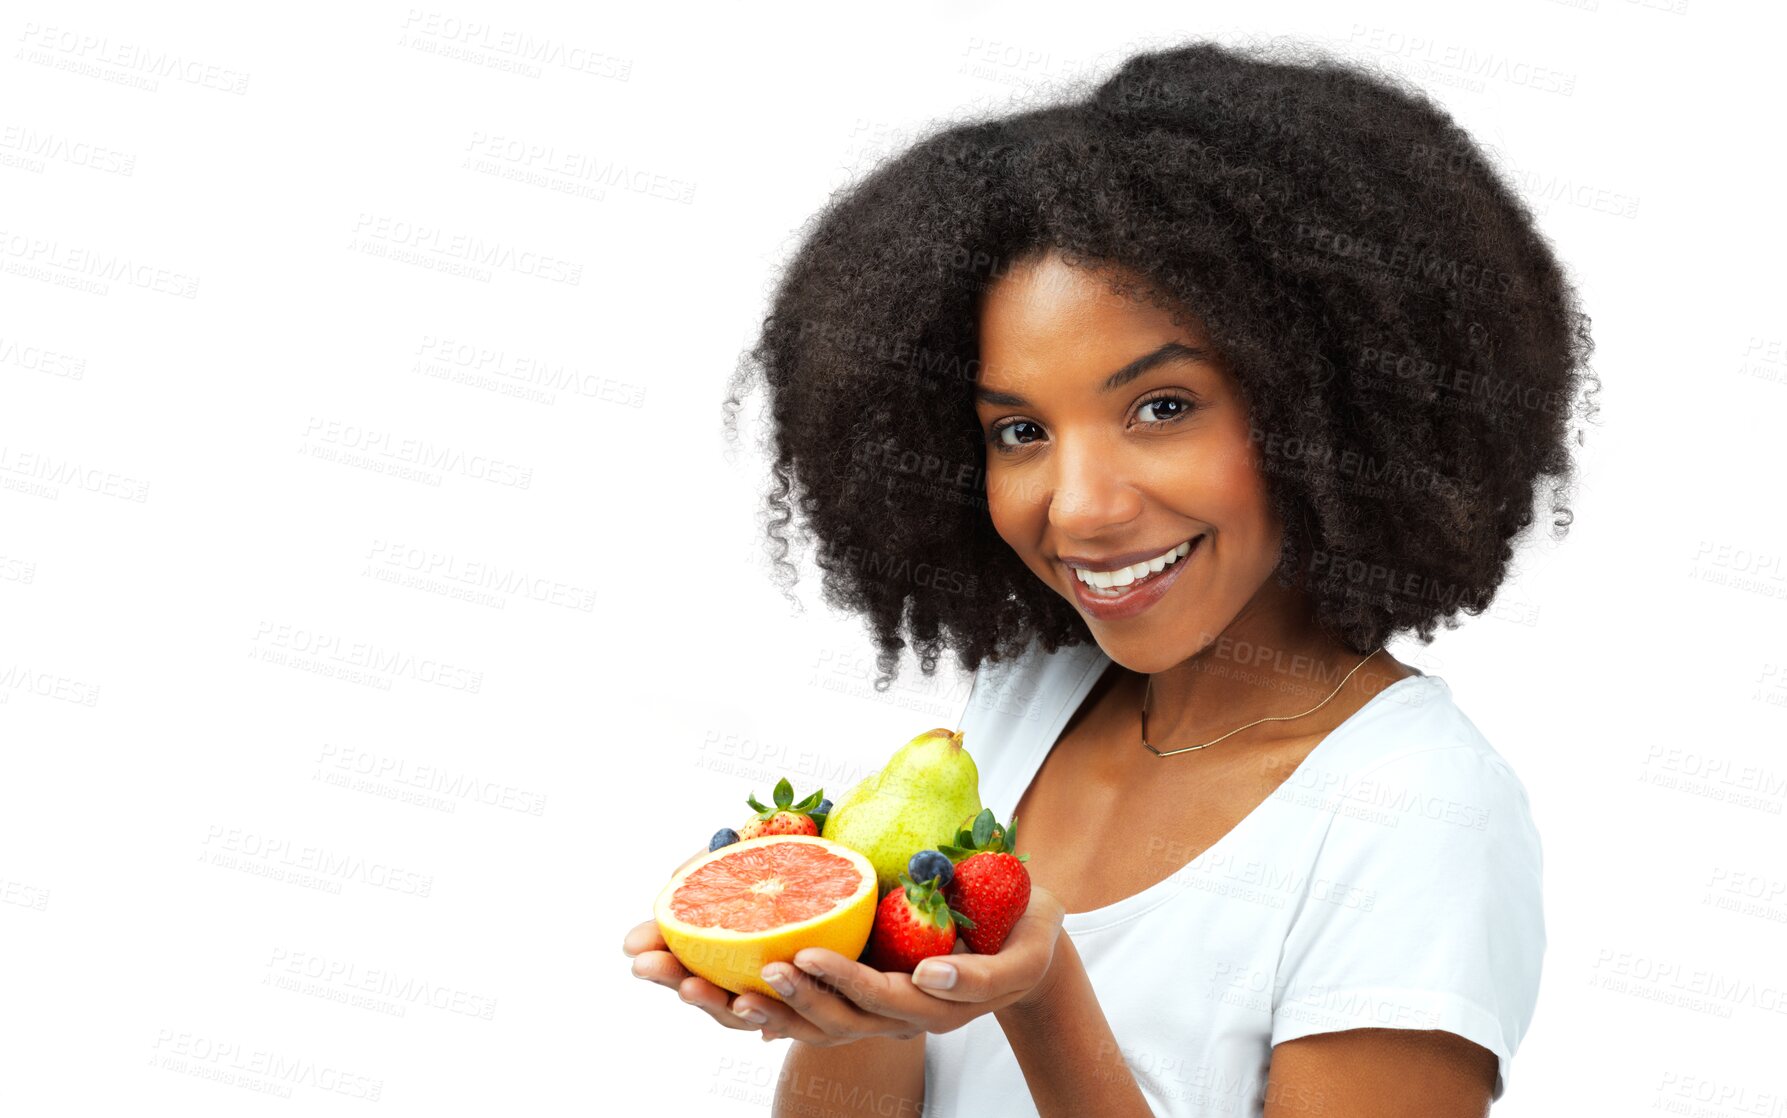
x=1066, y=1048
x=1380, y=1073
x=877, y=1075
x=1070, y=1060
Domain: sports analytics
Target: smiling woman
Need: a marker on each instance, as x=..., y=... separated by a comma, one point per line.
x=1158, y=453
x=1207, y=383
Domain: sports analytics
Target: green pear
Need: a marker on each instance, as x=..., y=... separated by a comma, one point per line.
x=914, y=802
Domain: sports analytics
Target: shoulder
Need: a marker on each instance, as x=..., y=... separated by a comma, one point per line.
x=1030, y=688
x=1426, y=906
x=1417, y=809
x=1015, y=710
x=1413, y=738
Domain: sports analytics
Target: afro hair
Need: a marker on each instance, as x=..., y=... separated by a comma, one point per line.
x=1412, y=356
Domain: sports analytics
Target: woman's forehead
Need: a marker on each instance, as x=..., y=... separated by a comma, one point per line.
x=1045, y=300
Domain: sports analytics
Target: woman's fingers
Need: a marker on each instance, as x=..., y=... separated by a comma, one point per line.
x=890, y=998
x=815, y=1013
x=1046, y=905
x=864, y=987
x=821, y=1006
x=652, y=960
x=641, y=938
x=713, y=1001
x=661, y=967
x=1020, y=963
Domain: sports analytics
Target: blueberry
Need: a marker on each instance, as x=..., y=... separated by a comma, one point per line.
x=927, y=864
x=725, y=836
x=824, y=808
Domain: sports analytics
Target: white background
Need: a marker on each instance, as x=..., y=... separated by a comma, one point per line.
x=206, y=530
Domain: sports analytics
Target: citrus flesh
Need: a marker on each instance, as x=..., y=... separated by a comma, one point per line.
x=729, y=913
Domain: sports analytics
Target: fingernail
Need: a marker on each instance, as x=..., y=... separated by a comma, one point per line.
x=938, y=976
x=808, y=966
x=778, y=982
x=755, y=1017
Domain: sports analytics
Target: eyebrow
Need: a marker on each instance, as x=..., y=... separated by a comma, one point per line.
x=1171, y=351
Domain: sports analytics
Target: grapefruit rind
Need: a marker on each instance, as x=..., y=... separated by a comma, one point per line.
x=733, y=960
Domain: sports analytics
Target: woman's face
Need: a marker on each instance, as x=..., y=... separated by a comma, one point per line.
x=1085, y=473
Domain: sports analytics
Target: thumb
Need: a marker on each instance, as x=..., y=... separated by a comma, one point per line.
x=1019, y=964
x=1044, y=905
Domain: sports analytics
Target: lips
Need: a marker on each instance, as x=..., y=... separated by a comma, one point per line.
x=1105, y=580
x=1135, y=598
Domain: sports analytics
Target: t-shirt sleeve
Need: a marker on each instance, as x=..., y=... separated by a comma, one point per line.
x=1424, y=908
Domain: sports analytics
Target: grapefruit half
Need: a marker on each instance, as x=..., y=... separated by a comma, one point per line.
x=730, y=912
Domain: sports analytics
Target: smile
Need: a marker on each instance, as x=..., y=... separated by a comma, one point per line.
x=1128, y=591
x=1135, y=572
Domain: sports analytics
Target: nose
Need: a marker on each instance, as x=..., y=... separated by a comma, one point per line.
x=1091, y=496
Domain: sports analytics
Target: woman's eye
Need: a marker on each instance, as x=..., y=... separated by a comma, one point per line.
x=999, y=440
x=1181, y=406
x=1171, y=408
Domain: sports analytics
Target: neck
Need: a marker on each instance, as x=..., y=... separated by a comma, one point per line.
x=1272, y=660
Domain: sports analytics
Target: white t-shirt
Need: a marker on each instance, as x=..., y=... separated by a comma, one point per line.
x=1391, y=881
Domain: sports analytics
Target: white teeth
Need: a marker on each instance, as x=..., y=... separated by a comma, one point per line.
x=1135, y=572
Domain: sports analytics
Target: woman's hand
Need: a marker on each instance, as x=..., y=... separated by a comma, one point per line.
x=653, y=962
x=833, y=1000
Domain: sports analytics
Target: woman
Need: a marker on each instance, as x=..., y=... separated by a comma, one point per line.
x=1206, y=385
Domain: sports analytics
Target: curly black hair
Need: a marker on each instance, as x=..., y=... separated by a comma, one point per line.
x=1412, y=356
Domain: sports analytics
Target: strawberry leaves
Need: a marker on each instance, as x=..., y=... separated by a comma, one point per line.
x=783, y=800
x=928, y=903
x=985, y=836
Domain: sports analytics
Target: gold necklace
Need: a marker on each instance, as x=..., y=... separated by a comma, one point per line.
x=1149, y=690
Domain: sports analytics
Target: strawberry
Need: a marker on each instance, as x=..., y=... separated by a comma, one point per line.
x=990, y=885
x=912, y=922
x=786, y=817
